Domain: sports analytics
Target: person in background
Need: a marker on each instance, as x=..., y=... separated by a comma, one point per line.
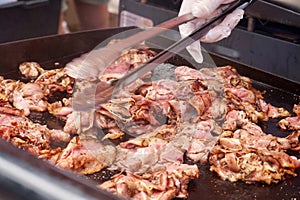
x=92, y=14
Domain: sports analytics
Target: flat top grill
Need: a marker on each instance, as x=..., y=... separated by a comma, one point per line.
x=49, y=50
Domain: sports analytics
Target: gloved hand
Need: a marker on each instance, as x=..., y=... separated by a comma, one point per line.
x=203, y=10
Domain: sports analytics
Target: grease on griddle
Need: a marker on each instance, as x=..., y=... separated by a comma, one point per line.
x=45, y=118
x=102, y=176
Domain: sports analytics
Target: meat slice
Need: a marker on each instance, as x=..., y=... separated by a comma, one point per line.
x=61, y=108
x=150, y=151
x=233, y=119
x=199, y=139
x=7, y=86
x=241, y=94
x=187, y=73
x=129, y=60
x=206, y=115
x=30, y=69
x=167, y=183
x=28, y=97
x=34, y=138
x=79, y=122
x=6, y=108
x=273, y=111
x=55, y=80
x=249, y=155
x=291, y=123
x=86, y=155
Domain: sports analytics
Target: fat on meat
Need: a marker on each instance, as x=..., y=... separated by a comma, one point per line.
x=30, y=69
x=7, y=86
x=129, y=60
x=32, y=137
x=291, y=123
x=167, y=183
x=249, y=154
x=86, y=155
x=29, y=97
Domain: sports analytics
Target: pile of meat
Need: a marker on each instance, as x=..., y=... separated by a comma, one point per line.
x=206, y=116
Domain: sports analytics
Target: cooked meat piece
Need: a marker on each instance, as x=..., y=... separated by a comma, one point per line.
x=198, y=139
x=113, y=133
x=59, y=136
x=78, y=122
x=6, y=108
x=29, y=136
x=30, y=69
x=129, y=60
x=149, y=152
x=240, y=95
x=231, y=78
x=167, y=183
x=140, y=55
x=254, y=114
x=186, y=73
x=272, y=111
x=55, y=80
x=86, y=155
x=59, y=109
x=115, y=72
x=233, y=119
x=291, y=123
x=7, y=86
x=291, y=141
x=166, y=144
x=252, y=156
x=29, y=96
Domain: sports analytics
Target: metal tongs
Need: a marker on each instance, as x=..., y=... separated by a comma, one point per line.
x=86, y=101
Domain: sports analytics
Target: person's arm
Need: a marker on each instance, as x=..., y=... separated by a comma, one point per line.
x=92, y=14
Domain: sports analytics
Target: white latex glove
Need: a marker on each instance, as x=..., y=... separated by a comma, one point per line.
x=203, y=10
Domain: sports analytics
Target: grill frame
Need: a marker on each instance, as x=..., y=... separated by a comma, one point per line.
x=63, y=48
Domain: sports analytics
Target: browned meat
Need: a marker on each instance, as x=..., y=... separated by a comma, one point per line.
x=197, y=139
x=7, y=86
x=250, y=155
x=296, y=109
x=6, y=108
x=272, y=111
x=148, y=152
x=78, y=122
x=167, y=183
x=60, y=108
x=291, y=123
x=129, y=60
x=30, y=69
x=29, y=96
x=233, y=119
x=86, y=155
x=29, y=136
x=206, y=115
x=55, y=80
x=240, y=94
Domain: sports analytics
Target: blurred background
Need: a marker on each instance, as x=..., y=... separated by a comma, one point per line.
x=23, y=19
x=268, y=37
x=71, y=14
